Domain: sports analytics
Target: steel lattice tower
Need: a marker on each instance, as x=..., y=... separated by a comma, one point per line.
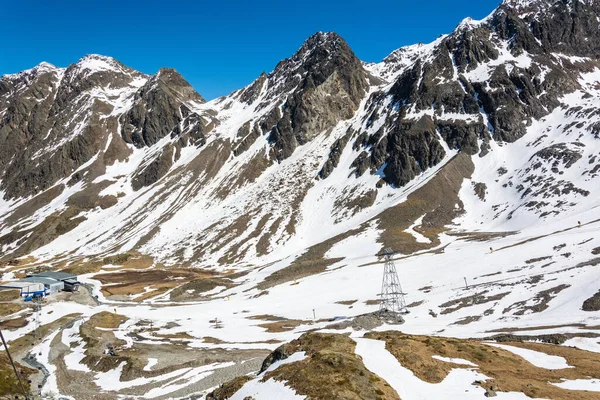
x=392, y=297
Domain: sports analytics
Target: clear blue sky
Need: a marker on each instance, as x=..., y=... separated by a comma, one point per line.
x=217, y=45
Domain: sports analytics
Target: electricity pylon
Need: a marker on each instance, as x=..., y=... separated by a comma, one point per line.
x=392, y=297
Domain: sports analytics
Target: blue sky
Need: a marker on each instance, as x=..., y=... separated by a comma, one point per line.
x=220, y=45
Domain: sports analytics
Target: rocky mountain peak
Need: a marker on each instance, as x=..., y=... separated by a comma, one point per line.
x=172, y=80
x=320, y=85
x=28, y=74
x=327, y=40
x=98, y=66
x=320, y=53
x=45, y=67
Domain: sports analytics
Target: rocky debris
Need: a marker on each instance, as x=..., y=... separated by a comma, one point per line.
x=540, y=301
x=479, y=298
x=552, y=338
x=52, y=123
x=246, y=137
x=548, y=26
x=592, y=304
x=480, y=190
x=334, y=155
x=250, y=94
x=408, y=149
x=366, y=322
x=538, y=259
x=155, y=169
x=558, y=154
x=227, y=390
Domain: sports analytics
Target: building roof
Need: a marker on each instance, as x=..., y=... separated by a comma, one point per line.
x=59, y=275
x=41, y=279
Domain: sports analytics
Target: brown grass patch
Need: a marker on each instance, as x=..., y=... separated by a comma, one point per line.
x=282, y=326
x=9, y=385
x=266, y=317
x=128, y=283
x=331, y=370
x=7, y=309
x=436, y=200
x=346, y=302
x=13, y=324
x=177, y=335
x=129, y=260
x=277, y=324
x=213, y=340
x=541, y=328
x=507, y=371
x=106, y=320
x=479, y=298
x=97, y=340
x=9, y=295
x=312, y=262
x=227, y=390
x=199, y=286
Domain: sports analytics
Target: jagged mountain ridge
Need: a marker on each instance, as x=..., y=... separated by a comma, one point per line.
x=98, y=158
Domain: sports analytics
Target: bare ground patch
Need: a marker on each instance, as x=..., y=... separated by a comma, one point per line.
x=436, y=200
x=540, y=301
x=312, y=262
x=479, y=298
x=507, y=372
x=331, y=370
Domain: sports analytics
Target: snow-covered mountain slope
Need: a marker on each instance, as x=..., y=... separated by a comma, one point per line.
x=115, y=161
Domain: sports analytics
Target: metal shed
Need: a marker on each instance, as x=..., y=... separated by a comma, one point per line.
x=52, y=285
x=70, y=282
x=26, y=288
x=71, y=285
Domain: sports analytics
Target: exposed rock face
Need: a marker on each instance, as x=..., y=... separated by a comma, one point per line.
x=494, y=89
x=54, y=120
x=592, y=304
x=158, y=108
x=328, y=83
x=334, y=155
